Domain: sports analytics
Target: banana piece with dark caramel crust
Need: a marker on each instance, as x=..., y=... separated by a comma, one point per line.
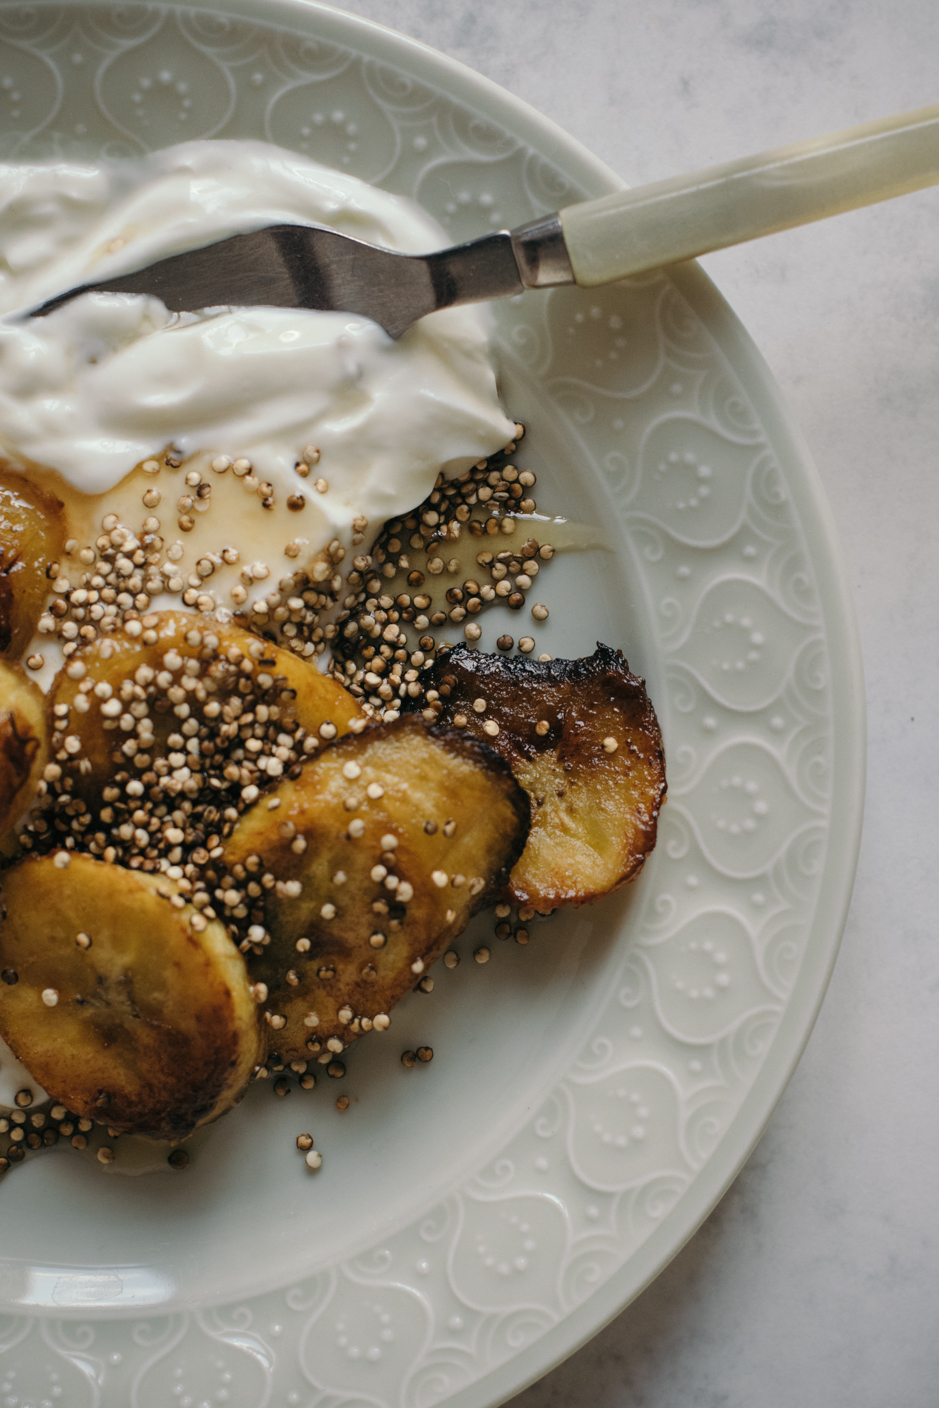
x=32, y=537
x=582, y=738
x=120, y=999
x=376, y=858
x=24, y=742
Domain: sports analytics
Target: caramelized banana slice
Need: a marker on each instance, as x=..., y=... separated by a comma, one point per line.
x=582, y=739
x=126, y=694
x=122, y=1001
x=24, y=742
x=32, y=535
x=382, y=849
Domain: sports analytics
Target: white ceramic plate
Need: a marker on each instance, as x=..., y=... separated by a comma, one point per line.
x=594, y=1094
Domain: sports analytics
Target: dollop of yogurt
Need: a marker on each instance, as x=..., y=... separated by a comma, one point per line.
x=106, y=380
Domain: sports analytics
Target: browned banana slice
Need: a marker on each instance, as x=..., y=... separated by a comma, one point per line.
x=122, y=1001
x=131, y=692
x=378, y=855
x=24, y=742
x=32, y=535
x=582, y=739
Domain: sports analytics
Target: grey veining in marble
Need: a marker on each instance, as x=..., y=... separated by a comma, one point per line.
x=816, y=1281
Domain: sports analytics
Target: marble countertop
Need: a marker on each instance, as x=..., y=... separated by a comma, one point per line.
x=814, y=1282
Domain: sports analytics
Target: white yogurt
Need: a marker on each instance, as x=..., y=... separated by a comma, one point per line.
x=107, y=380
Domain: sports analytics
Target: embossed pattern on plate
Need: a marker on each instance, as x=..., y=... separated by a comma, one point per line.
x=714, y=968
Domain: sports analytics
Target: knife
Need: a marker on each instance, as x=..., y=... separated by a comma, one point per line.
x=592, y=243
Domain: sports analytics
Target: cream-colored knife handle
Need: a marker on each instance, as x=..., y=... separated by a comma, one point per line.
x=630, y=231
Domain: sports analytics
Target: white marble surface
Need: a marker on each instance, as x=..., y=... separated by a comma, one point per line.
x=816, y=1281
